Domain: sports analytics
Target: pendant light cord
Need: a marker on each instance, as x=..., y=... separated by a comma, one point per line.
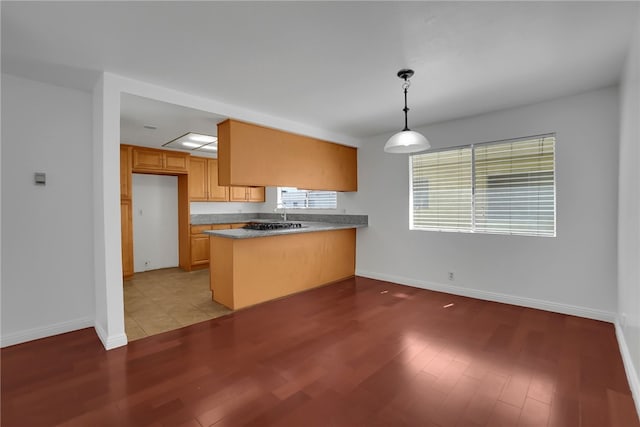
x=405, y=86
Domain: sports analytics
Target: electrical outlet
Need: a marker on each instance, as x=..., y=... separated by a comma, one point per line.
x=623, y=320
x=147, y=264
x=451, y=276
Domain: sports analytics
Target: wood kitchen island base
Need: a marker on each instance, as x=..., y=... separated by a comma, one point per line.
x=244, y=272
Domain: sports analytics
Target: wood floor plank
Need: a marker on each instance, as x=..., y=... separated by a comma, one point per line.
x=360, y=352
x=504, y=415
x=534, y=413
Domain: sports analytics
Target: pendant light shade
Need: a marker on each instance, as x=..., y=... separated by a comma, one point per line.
x=406, y=141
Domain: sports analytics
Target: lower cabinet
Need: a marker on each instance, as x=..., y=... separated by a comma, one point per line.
x=200, y=243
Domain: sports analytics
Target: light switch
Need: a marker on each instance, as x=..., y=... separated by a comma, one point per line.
x=40, y=178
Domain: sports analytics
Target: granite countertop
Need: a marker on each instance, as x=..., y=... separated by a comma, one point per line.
x=307, y=227
x=310, y=223
x=234, y=218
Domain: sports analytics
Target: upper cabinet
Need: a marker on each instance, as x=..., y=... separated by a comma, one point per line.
x=198, y=183
x=246, y=194
x=150, y=160
x=203, y=181
x=255, y=194
x=251, y=155
x=217, y=193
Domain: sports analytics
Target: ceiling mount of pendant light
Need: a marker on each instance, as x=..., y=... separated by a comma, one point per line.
x=406, y=141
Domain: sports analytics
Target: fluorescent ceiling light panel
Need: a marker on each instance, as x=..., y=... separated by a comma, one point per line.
x=191, y=144
x=202, y=138
x=194, y=142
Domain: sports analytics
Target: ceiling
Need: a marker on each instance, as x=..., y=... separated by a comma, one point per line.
x=327, y=65
x=169, y=120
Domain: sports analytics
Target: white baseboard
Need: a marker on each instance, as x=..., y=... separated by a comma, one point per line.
x=630, y=369
x=110, y=342
x=589, y=313
x=45, y=331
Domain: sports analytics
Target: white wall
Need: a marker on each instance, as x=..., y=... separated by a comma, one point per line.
x=224, y=207
x=629, y=219
x=573, y=272
x=107, y=258
x=155, y=222
x=47, y=231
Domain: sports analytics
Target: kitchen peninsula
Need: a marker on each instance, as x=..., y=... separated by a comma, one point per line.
x=248, y=267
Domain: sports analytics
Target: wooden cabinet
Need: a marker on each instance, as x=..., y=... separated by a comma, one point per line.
x=203, y=185
x=150, y=160
x=176, y=162
x=125, y=172
x=126, y=216
x=203, y=181
x=246, y=194
x=255, y=194
x=217, y=193
x=249, y=154
x=238, y=194
x=147, y=159
x=200, y=244
x=198, y=179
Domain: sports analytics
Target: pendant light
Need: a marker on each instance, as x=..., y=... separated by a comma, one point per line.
x=406, y=141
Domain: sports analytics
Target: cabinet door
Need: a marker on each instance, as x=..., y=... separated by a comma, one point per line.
x=199, y=249
x=238, y=194
x=127, y=237
x=125, y=172
x=200, y=243
x=144, y=159
x=255, y=194
x=198, y=177
x=217, y=193
x=176, y=162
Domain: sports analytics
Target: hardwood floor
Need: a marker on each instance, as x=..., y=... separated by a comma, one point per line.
x=357, y=353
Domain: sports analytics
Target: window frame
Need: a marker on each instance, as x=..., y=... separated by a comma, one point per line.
x=473, y=229
x=279, y=200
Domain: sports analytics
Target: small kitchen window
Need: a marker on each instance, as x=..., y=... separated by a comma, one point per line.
x=296, y=198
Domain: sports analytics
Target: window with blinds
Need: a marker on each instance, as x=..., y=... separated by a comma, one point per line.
x=504, y=187
x=441, y=190
x=294, y=198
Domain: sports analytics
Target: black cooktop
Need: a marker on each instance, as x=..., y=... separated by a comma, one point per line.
x=272, y=225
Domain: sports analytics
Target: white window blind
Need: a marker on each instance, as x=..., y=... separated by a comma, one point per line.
x=441, y=190
x=505, y=187
x=294, y=198
x=515, y=187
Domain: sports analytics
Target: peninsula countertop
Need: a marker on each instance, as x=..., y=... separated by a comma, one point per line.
x=307, y=227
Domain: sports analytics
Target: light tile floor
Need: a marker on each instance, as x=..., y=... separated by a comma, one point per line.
x=161, y=300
